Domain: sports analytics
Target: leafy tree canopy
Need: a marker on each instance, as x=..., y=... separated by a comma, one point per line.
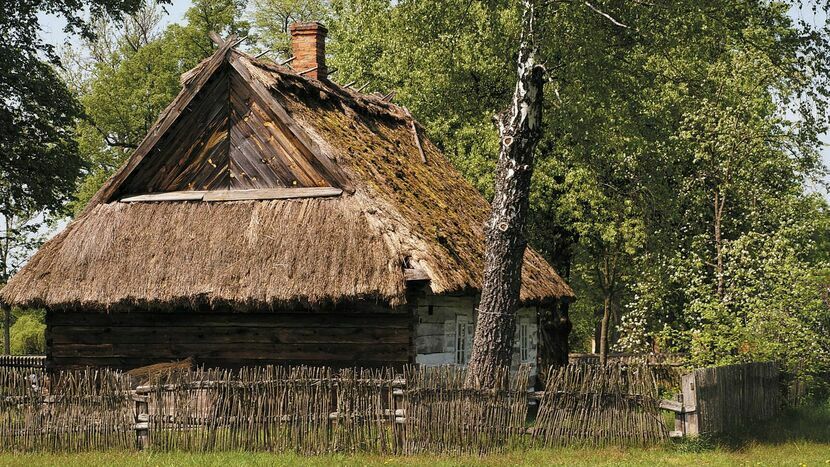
x=40, y=161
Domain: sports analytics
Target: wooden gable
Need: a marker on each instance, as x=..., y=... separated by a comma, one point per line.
x=229, y=137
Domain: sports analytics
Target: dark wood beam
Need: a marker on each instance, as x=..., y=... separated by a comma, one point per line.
x=216, y=38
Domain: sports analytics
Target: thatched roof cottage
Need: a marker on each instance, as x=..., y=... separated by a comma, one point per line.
x=273, y=216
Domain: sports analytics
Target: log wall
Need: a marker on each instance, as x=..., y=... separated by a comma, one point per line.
x=132, y=340
x=437, y=319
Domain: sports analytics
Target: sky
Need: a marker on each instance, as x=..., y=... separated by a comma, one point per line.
x=52, y=32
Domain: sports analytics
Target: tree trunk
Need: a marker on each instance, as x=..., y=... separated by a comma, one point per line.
x=720, y=200
x=554, y=329
x=7, y=323
x=603, y=330
x=520, y=130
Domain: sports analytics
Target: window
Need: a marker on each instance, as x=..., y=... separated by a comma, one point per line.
x=524, y=341
x=463, y=339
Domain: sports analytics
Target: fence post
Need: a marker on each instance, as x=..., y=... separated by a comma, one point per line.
x=690, y=416
x=398, y=415
x=142, y=421
x=7, y=323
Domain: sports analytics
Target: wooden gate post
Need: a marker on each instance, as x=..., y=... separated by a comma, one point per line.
x=690, y=414
x=7, y=323
x=398, y=415
x=142, y=421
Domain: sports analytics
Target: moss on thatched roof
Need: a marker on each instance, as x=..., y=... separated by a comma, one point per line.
x=397, y=210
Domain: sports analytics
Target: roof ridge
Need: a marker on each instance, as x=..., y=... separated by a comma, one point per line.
x=361, y=100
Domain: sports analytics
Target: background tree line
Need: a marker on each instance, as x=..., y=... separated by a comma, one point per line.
x=674, y=184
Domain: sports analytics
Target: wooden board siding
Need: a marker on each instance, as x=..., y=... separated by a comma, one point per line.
x=227, y=139
x=130, y=340
x=436, y=318
x=193, y=155
x=262, y=154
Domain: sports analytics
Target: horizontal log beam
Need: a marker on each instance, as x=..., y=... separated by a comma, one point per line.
x=676, y=406
x=236, y=195
x=233, y=320
x=415, y=274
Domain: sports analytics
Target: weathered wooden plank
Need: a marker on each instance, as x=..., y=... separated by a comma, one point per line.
x=430, y=328
x=281, y=116
x=170, y=196
x=243, y=140
x=224, y=335
x=272, y=193
x=465, y=302
x=178, y=351
x=236, y=195
x=179, y=152
x=264, y=146
x=688, y=387
x=676, y=406
x=429, y=344
x=209, y=169
x=415, y=274
x=414, y=127
x=733, y=396
x=294, y=155
x=202, y=154
x=249, y=149
x=438, y=358
x=188, y=319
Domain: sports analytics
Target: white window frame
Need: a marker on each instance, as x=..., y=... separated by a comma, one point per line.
x=524, y=341
x=463, y=344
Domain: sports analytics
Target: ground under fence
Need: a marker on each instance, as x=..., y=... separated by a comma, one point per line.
x=321, y=410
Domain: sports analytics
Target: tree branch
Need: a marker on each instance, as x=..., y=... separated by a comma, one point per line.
x=606, y=16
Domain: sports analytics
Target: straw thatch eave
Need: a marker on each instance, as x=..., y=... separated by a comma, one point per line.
x=246, y=255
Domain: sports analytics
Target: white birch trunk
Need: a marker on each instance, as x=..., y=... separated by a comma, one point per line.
x=520, y=131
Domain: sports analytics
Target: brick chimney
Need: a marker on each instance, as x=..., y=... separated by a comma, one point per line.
x=308, y=44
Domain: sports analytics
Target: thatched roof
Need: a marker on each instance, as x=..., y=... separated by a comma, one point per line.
x=395, y=210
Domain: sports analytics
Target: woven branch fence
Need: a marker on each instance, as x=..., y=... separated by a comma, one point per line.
x=599, y=405
x=666, y=369
x=72, y=411
x=22, y=361
x=321, y=410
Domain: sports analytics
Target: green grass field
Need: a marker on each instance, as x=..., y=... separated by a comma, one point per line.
x=798, y=438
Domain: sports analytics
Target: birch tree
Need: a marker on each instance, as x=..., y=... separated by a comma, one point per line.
x=520, y=128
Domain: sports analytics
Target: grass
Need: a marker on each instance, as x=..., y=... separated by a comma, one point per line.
x=800, y=437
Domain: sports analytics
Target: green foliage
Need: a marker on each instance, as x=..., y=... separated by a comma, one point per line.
x=40, y=163
x=27, y=333
x=645, y=124
x=271, y=19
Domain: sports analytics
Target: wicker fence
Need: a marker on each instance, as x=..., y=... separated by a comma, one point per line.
x=72, y=411
x=593, y=404
x=22, y=361
x=320, y=410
